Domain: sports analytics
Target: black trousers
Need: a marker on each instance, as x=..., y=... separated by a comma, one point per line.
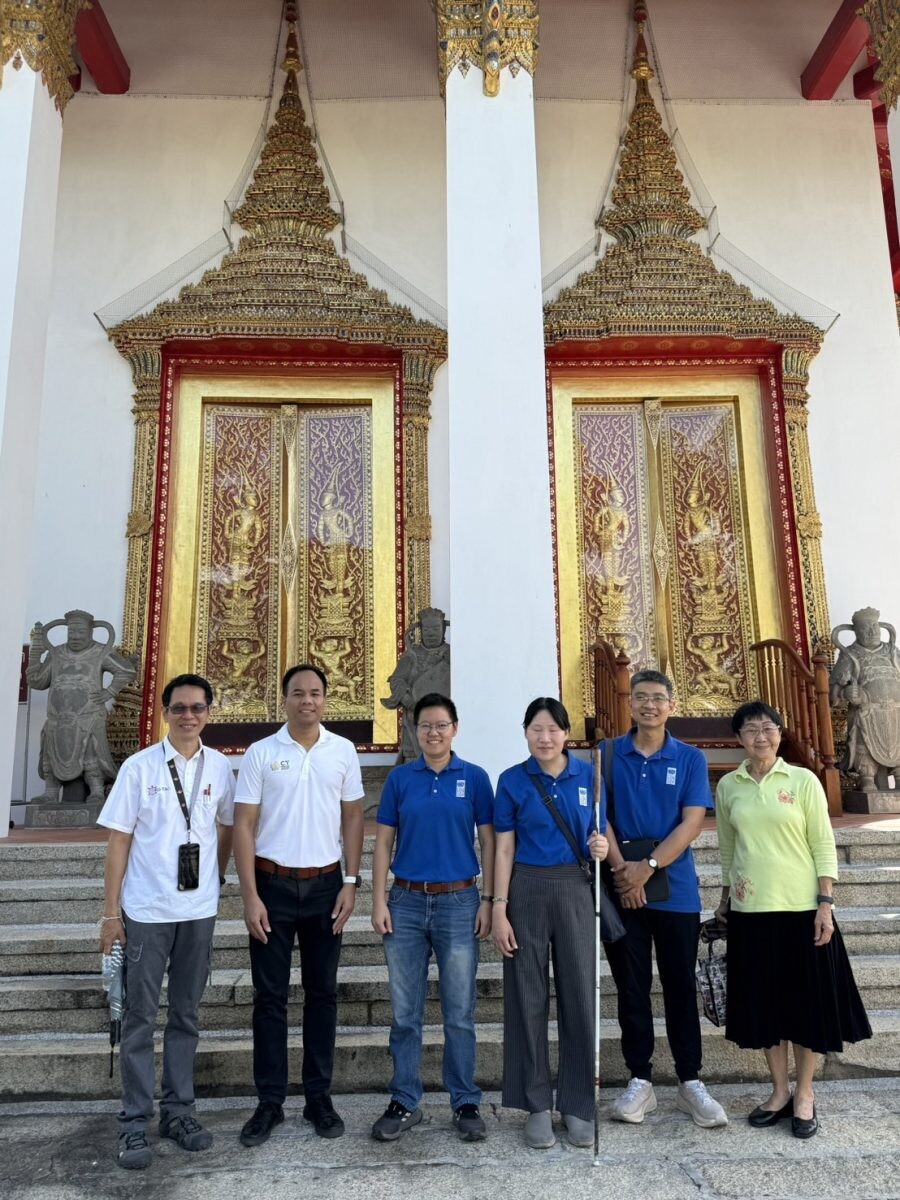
x=674, y=936
x=298, y=909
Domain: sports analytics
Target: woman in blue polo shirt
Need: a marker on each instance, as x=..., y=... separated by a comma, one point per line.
x=432, y=807
x=541, y=901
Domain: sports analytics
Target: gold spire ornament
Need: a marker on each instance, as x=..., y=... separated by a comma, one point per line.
x=490, y=35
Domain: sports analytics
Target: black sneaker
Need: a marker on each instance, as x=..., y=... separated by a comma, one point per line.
x=259, y=1127
x=393, y=1121
x=326, y=1122
x=469, y=1123
x=132, y=1151
x=187, y=1132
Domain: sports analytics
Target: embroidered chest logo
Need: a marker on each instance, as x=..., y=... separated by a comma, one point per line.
x=460, y=789
x=785, y=797
x=583, y=797
x=280, y=765
x=154, y=790
x=671, y=776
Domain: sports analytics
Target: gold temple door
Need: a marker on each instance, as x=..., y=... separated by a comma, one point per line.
x=665, y=544
x=283, y=544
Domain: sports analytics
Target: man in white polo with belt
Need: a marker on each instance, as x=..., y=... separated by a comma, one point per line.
x=299, y=795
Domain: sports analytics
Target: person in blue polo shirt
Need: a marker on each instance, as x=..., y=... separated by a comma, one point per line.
x=543, y=908
x=660, y=791
x=431, y=808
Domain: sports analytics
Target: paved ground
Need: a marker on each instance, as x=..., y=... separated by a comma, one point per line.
x=63, y=1152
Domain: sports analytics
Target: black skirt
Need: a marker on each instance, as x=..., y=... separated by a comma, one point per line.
x=782, y=987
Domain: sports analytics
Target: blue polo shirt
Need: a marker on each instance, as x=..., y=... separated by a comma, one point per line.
x=435, y=815
x=649, y=794
x=520, y=809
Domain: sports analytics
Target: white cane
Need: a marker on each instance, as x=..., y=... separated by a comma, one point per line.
x=598, y=783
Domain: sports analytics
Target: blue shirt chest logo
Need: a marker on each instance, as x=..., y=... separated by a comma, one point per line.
x=671, y=776
x=460, y=789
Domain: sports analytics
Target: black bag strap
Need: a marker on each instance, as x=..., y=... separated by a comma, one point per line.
x=558, y=818
x=609, y=754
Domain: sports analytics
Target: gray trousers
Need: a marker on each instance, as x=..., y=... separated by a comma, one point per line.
x=185, y=948
x=551, y=911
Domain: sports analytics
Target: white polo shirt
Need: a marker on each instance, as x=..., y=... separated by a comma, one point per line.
x=300, y=793
x=144, y=803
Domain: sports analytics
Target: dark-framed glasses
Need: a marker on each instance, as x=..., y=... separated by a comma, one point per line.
x=178, y=710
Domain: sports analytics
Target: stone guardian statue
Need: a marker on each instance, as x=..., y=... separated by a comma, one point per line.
x=866, y=677
x=423, y=667
x=73, y=740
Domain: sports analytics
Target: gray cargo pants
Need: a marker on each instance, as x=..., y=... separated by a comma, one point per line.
x=185, y=947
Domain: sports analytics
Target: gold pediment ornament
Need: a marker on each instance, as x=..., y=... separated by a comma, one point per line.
x=42, y=32
x=656, y=281
x=884, y=21
x=285, y=280
x=490, y=35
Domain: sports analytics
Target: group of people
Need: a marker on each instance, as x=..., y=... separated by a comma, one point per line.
x=297, y=808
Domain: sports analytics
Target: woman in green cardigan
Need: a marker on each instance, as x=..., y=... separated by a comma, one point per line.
x=789, y=978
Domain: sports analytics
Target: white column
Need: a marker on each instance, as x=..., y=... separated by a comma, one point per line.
x=502, y=612
x=31, y=137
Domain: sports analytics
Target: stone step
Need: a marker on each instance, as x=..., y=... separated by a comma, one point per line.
x=76, y=1066
x=64, y=900
x=879, y=842
x=77, y=1003
x=72, y=948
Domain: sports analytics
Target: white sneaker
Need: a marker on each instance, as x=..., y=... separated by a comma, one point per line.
x=693, y=1098
x=637, y=1100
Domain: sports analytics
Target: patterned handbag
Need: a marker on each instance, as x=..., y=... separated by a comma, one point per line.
x=712, y=975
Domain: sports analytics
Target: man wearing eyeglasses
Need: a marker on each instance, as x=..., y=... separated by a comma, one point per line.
x=658, y=795
x=299, y=797
x=169, y=814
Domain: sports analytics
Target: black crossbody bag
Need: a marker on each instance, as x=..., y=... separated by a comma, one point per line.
x=657, y=887
x=611, y=927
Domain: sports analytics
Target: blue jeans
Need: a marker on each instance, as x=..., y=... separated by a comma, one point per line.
x=445, y=924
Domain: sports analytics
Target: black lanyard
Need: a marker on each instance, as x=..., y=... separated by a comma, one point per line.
x=179, y=790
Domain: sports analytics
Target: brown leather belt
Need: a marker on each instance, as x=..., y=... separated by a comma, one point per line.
x=411, y=885
x=273, y=868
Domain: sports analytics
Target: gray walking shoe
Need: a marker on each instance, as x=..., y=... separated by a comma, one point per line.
x=581, y=1133
x=187, y=1132
x=132, y=1151
x=637, y=1100
x=693, y=1098
x=539, y=1131
x=393, y=1121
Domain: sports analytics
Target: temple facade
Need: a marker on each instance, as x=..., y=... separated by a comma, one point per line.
x=576, y=321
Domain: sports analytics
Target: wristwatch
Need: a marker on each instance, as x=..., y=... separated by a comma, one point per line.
x=652, y=864
x=354, y=879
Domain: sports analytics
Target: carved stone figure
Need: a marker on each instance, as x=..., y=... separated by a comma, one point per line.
x=73, y=740
x=866, y=677
x=714, y=682
x=422, y=668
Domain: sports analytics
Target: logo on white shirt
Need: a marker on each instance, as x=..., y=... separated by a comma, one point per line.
x=154, y=790
x=583, y=797
x=671, y=776
x=460, y=789
x=280, y=765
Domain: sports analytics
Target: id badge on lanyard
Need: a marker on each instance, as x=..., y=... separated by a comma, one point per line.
x=188, y=852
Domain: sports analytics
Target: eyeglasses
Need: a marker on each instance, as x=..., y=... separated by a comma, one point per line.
x=434, y=726
x=656, y=701
x=178, y=710
x=753, y=730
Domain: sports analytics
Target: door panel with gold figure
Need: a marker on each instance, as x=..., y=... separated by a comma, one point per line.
x=665, y=546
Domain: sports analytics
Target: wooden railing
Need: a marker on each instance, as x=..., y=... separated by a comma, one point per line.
x=800, y=695
x=612, y=691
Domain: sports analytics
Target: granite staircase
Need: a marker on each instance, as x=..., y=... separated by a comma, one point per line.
x=53, y=1023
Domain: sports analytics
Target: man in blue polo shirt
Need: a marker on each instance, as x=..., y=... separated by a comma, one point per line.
x=431, y=808
x=660, y=791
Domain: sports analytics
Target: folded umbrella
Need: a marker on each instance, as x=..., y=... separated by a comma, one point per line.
x=113, y=972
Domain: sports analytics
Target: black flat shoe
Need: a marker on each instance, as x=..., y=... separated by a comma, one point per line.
x=803, y=1128
x=762, y=1118
x=258, y=1129
x=320, y=1113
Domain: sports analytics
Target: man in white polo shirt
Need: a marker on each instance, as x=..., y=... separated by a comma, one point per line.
x=165, y=860
x=299, y=795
